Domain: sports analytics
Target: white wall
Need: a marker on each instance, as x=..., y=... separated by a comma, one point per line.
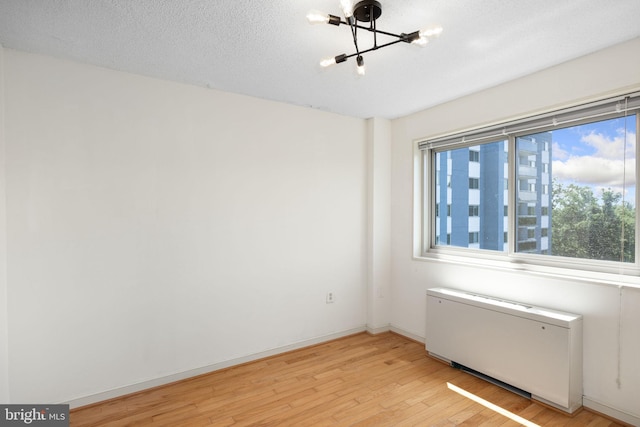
x=156, y=228
x=604, y=72
x=4, y=355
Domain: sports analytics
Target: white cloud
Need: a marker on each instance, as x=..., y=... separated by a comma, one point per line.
x=604, y=168
x=559, y=153
x=611, y=148
x=595, y=170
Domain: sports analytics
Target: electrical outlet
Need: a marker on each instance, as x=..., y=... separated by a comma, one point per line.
x=330, y=297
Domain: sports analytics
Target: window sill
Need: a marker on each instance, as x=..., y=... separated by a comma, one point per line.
x=612, y=276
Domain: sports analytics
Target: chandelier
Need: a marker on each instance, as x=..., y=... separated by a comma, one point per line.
x=367, y=12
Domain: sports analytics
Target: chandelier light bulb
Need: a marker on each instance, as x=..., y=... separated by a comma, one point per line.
x=431, y=32
x=327, y=62
x=360, y=68
x=347, y=8
x=317, y=17
x=420, y=41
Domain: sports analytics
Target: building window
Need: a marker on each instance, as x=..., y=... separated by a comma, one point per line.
x=463, y=205
x=573, y=186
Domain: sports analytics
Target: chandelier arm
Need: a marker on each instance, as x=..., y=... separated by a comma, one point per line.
x=372, y=24
x=375, y=30
x=354, y=33
x=371, y=49
x=372, y=30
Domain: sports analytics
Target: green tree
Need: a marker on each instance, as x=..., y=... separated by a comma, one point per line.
x=627, y=214
x=584, y=226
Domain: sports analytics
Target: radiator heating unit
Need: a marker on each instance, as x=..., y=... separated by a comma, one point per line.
x=534, y=351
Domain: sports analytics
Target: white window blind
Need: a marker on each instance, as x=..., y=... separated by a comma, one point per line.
x=610, y=107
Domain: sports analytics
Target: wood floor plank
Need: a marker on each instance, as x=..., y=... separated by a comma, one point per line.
x=361, y=380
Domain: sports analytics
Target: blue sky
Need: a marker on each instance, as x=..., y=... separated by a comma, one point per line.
x=595, y=155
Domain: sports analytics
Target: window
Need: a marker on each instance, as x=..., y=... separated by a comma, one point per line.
x=573, y=185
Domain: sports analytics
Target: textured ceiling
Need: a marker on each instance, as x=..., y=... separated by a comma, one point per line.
x=268, y=50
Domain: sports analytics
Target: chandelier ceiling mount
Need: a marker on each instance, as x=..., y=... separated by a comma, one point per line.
x=365, y=11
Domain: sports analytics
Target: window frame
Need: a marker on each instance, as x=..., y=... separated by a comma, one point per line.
x=511, y=258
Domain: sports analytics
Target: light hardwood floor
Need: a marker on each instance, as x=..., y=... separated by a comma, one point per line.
x=361, y=380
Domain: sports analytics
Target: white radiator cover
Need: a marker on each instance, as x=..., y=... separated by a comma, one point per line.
x=534, y=349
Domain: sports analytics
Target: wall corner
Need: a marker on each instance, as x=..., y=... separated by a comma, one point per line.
x=379, y=223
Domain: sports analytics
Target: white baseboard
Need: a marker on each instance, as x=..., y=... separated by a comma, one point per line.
x=378, y=330
x=133, y=388
x=611, y=412
x=409, y=335
x=391, y=328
